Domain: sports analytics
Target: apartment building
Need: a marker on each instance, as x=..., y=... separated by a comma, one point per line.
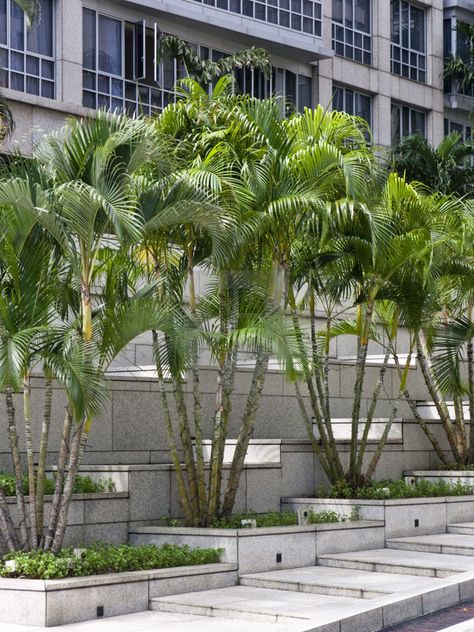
x=380, y=59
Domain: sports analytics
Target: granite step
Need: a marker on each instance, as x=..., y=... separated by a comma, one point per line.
x=260, y=604
x=341, y=582
x=449, y=543
x=400, y=562
x=464, y=528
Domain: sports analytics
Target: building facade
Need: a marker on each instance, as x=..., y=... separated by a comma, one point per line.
x=380, y=59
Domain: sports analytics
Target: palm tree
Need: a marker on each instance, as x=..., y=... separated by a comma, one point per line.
x=205, y=71
x=460, y=68
x=448, y=168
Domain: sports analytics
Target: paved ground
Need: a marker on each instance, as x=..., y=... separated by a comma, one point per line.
x=159, y=622
x=458, y=618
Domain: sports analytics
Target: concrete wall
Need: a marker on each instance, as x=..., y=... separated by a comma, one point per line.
x=131, y=430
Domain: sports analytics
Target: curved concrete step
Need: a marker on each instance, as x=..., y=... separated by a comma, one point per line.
x=400, y=562
x=446, y=543
x=341, y=582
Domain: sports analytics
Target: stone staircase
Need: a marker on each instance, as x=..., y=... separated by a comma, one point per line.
x=360, y=591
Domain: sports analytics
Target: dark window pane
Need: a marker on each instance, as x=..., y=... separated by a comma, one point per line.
x=362, y=15
x=3, y=21
x=17, y=61
x=304, y=92
x=47, y=69
x=32, y=85
x=110, y=45
x=17, y=26
x=88, y=39
x=417, y=28
x=337, y=11
x=88, y=99
x=32, y=65
x=39, y=38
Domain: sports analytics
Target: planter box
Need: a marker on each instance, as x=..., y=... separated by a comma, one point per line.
x=272, y=548
x=60, y=601
x=466, y=477
x=404, y=517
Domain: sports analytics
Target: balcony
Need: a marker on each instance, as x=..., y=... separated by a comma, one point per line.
x=287, y=33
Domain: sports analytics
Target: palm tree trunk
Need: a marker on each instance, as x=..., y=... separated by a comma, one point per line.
x=187, y=445
x=7, y=528
x=68, y=487
x=218, y=442
x=246, y=429
x=327, y=469
x=197, y=408
x=33, y=532
x=15, y=454
x=182, y=490
x=460, y=429
x=424, y=426
x=371, y=412
x=381, y=444
x=43, y=454
x=64, y=450
x=358, y=387
x=426, y=369
x=470, y=370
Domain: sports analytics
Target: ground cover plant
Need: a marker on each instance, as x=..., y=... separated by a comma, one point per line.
x=397, y=489
x=82, y=485
x=101, y=559
x=268, y=519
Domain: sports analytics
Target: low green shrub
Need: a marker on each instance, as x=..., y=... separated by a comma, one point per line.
x=397, y=489
x=104, y=558
x=269, y=519
x=82, y=485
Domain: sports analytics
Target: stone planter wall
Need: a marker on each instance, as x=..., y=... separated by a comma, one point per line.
x=61, y=601
x=273, y=548
x=466, y=477
x=405, y=517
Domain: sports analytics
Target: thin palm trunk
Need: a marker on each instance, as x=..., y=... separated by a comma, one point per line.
x=30, y=457
x=197, y=408
x=43, y=454
x=7, y=528
x=358, y=388
x=63, y=456
x=187, y=445
x=371, y=412
x=470, y=370
x=68, y=487
x=182, y=490
x=426, y=369
x=15, y=454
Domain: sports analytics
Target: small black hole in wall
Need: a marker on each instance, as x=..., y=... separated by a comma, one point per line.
x=100, y=611
x=278, y=558
x=417, y=522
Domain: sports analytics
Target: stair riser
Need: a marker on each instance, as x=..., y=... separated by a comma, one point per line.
x=224, y=613
x=431, y=548
x=335, y=591
x=461, y=530
x=386, y=568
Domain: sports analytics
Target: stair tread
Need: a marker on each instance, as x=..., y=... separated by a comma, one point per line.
x=439, y=539
x=325, y=576
x=414, y=559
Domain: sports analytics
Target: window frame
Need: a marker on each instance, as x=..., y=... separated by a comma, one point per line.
x=346, y=30
x=279, y=9
x=401, y=107
x=7, y=69
x=355, y=92
x=419, y=72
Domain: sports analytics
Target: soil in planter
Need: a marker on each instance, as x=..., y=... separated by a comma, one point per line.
x=103, y=558
x=384, y=490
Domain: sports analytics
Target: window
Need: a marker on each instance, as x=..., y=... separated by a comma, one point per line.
x=407, y=121
x=464, y=130
x=119, y=70
x=298, y=15
x=459, y=44
x=27, y=55
x=295, y=88
x=408, y=51
x=352, y=102
x=351, y=29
